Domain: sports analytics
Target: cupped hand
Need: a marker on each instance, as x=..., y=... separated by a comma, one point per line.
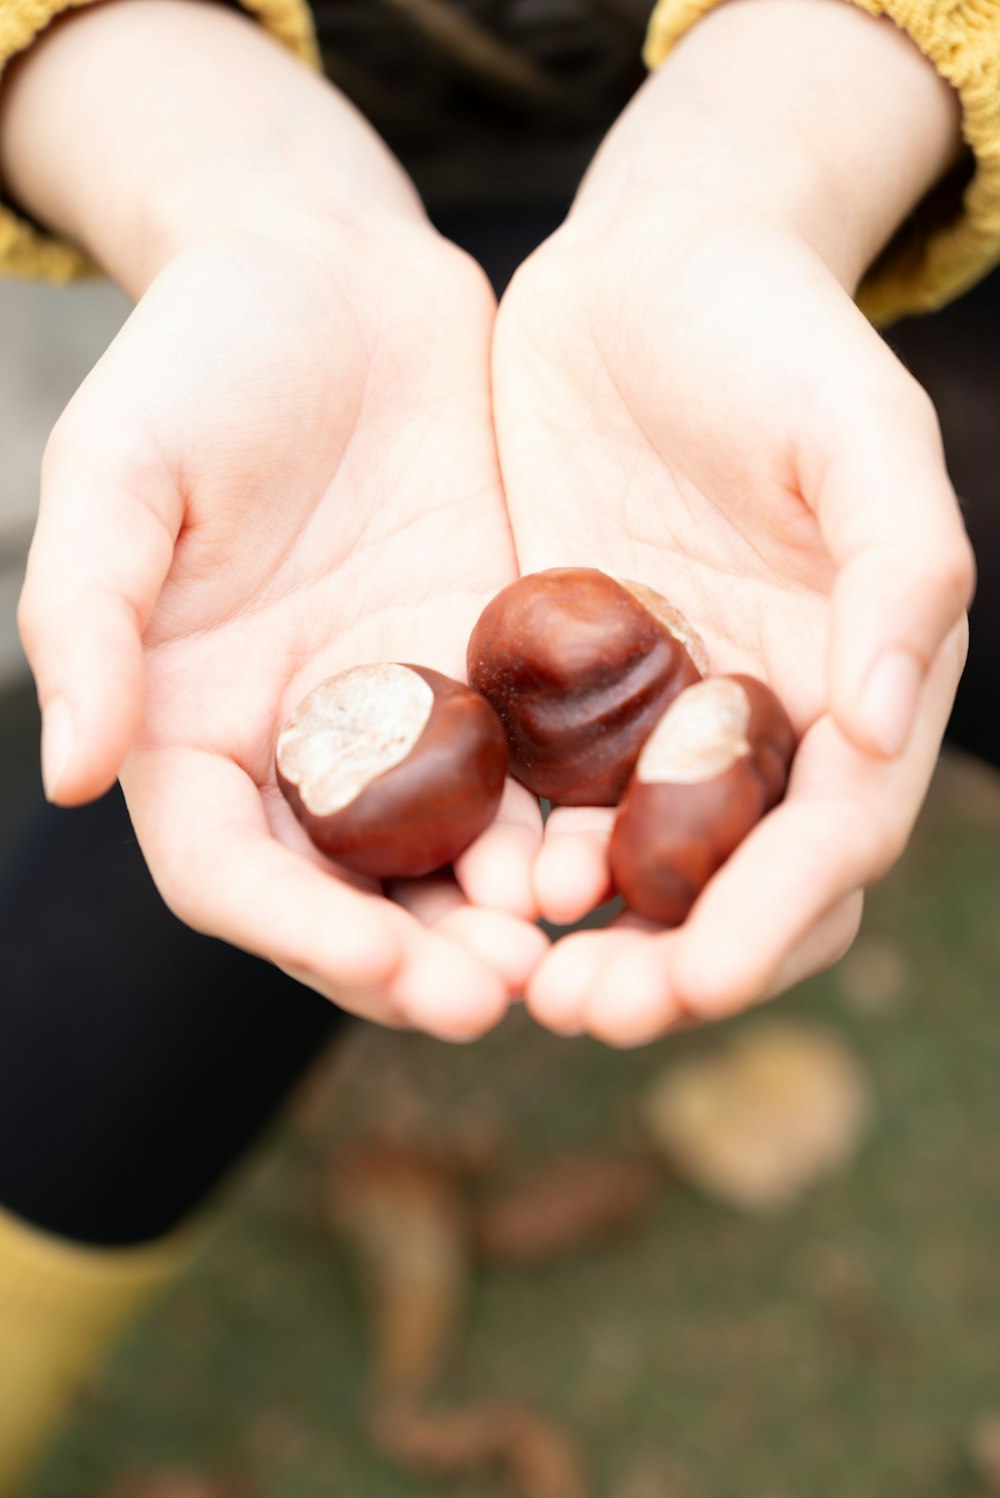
x=282, y=467
x=693, y=400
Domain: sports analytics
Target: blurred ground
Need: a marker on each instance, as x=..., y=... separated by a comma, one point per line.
x=846, y=1347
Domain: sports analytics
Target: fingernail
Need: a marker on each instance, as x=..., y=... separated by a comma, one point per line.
x=890, y=699
x=58, y=742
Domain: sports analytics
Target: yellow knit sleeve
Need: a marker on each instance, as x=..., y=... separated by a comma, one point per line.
x=923, y=269
x=24, y=249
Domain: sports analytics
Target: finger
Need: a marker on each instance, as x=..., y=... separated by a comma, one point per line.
x=632, y=1000
x=442, y=987
x=905, y=570
x=636, y=998
x=446, y=988
x=828, y=941
x=511, y=947
x=845, y=820
x=201, y=823
x=557, y=992
x=202, y=828
x=495, y=871
x=101, y=550
x=571, y=875
x=358, y=1002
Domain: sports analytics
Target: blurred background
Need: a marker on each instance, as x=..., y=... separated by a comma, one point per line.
x=756, y=1262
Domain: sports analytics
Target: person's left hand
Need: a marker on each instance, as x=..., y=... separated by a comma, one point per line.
x=697, y=404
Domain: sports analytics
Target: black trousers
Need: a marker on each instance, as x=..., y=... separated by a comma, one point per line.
x=138, y=1060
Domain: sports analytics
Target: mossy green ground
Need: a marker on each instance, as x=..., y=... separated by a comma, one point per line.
x=847, y=1347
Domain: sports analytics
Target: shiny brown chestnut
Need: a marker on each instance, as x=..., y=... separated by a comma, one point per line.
x=392, y=769
x=580, y=667
x=714, y=765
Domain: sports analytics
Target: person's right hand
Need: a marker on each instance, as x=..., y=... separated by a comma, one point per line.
x=283, y=466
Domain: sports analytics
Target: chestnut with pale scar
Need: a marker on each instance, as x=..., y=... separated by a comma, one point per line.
x=715, y=764
x=393, y=770
x=580, y=666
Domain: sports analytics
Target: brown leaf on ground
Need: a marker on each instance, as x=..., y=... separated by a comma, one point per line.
x=985, y=1451
x=564, y=1206
x=539, y=1458
x=180, y=1485
x=872, y=979
x=404, y=1221
x=763, y=1116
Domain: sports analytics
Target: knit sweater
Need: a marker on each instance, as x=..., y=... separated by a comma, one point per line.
x=937, y=255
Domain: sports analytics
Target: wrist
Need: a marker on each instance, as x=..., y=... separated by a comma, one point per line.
x=137, y=130
x=807, y=114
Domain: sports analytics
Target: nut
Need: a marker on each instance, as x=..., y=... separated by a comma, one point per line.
x=580, y=667
x=392, y=769
x=717, y=761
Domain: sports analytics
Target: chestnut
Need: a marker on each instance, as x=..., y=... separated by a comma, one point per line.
x=580, y=667
x=715, y=763
x=392, y=769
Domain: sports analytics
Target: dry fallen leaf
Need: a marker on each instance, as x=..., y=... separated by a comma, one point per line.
x=985, y=1450
x=405, y=1223
x=564, y=1206
x=763, y=1116
x=539, y=1458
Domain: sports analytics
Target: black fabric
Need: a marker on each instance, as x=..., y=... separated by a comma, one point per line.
x=490, y=105
x=138, y=1060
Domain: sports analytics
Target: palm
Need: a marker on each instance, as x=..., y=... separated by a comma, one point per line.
x=352, y=514
x=609, y=447
x=326, y=459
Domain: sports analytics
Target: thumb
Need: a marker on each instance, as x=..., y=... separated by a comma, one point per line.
x=905, y=572
x=101, y=550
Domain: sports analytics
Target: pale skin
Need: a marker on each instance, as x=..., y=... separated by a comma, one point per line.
x=292, y=460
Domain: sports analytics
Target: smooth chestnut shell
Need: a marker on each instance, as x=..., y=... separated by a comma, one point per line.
x=580, y=668
x=392, y=770
x=714, y=765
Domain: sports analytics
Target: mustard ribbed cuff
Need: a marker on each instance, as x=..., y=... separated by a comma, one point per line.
x=962, y=39
x=61, y=1307
x=24, y=249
